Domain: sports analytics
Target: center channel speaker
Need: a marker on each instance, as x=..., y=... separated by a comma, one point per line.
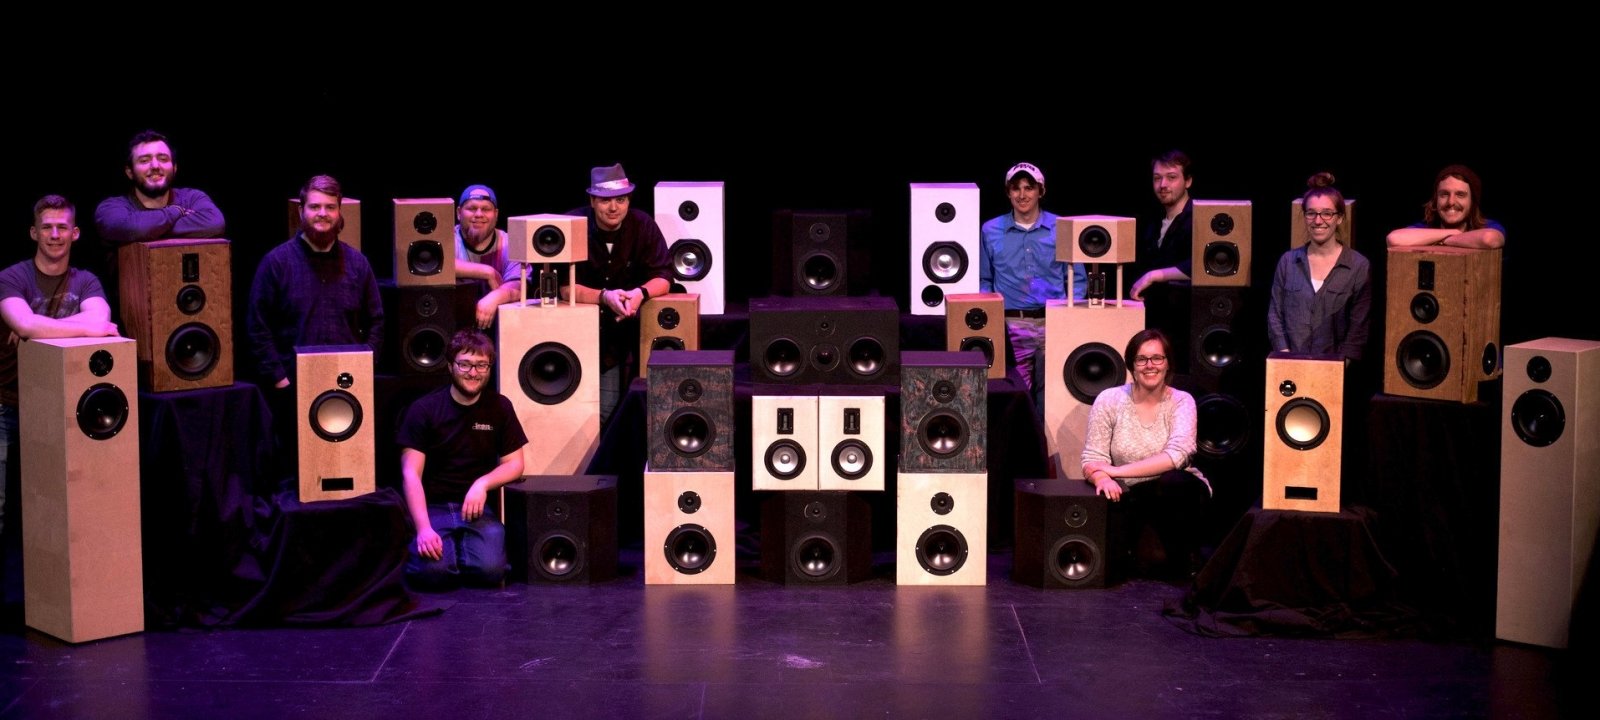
x=1218, y=341
x=836, y=341
x=1304, y=432
x=1549, y=486
x=82, y=563
x=562, y=528
x=536, y=239
x=783, y=442
x=941, y=528
x=690, y=423
x=349, y=212
x=850, y=442
x=816, y=538
x=333, y=394
x=177, y=302
x=1221, y=251
x=945, y=230
x=1297, y=224
x=669, y=322
x=691, y=218
x=1061, y=531
x=418, y=322
x=1442, y=322
x=549, y=366
x=812, y=252
x=1083, y=356
x=977, y=321
x=688, y=527
x=424, y=241
x=944, y=413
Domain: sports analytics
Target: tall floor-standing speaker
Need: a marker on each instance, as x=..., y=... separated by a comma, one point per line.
x=812, y=252
x=349, y=212
x=82, y=564
x=944, y=243
x=1221, y=251
x=562, y=528
x=1549, y=486
x=1297, y=224
x=816, y=538
x=850, y=442
x=688, y=527
x=692, y=219
x=424, y=241
x=783, y=442
x=333, y=393
x=418, y=322
x=942, y=528
x=177, y=300
x=1442, y=322
x=549, y=366
x=669, y=322
x=690, y=424
x=976, y=321
x=1083, y=356
x=1219, y=338
x=836, y=341
x=1304, y=434
x=944, y=413
x=1061, y=535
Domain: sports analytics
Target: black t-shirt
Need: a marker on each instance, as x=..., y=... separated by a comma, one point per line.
x=461, y=442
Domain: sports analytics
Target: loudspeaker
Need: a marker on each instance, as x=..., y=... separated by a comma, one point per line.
x=977, y=321
x=1218, y=342
x=811, y=253
x=333, y=394
x=691, y=411
x=1224, y=425
x=944, y=413
x=547, y=238
x=783, y=443
x=1083, y=356
x=1297, y=224
x=1095, y=239
x=1221, y=249
x=1061, y=535
x=1304, y=434
x=1549, y=486
x=82, y=564
x=549, y=366
x=850, y=442
x=562, y=528
x=349, y=212
x=941, y=528
x=418, y=322
x=1442, y=322
x=945, y=230
x=669, y=322
x=177, y=300
x=424, y=242
x=688, y=527
x=837, y=341
x=691, y=218
x=816, y=538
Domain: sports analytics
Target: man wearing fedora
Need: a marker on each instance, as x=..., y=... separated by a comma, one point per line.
x=628, y=264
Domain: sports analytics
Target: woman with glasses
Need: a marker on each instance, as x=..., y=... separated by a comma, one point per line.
x=1140, y=439
x=1321, y=294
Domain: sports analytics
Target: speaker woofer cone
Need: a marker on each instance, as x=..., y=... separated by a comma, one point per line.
x=666, y=342
x=560, y=556
x=549, y=241
x=815, y=557
x=820, y=272
x=942, y=433
x=1424, y=308
x=690, y=549
x=1224, y=425
x=1222, y=259
x=944, y=262
x=1303, y=423
x=1094, y=241
x=980, y=344
x=941, y=550
x=193, y=350
x=782, y=357
x=335, y=415
x=102, y=411
x=691, y=260
x=1075, y=559
x=425, y=257
x=1218, y=347
x=191, y=299
x=1423, y=359
x=852, y=459
x=785, y=459
x=689, y=432
x=549, y=373
x=867, y=357
x=1538, y=418
x=425, y=347
x=1092, y=368
x=932, y=296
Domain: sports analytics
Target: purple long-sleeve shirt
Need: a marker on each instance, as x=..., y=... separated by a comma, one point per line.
x=191, y=214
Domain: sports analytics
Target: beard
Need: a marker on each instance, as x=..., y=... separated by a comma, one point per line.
x=470, y=392
x=145, y=189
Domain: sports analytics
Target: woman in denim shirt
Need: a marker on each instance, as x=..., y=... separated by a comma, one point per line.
x=1321, y=292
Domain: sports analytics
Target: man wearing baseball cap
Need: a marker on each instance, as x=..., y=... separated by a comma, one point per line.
x=481, y=250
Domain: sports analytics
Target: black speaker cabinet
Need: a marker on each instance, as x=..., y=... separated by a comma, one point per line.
x=1305, y=432
x=944, y=413
x=1083, y=356
x=945, y=226
x=817, y=252
x=537, y=239
x=688, y=527
x=941, y=528
x=418, y=321
x=690, y=424
x=837, y=341
x=816, y=538
x=1224, y=425
x=783, y=442
x=333, y=391
x=1549, y=486
x=1221, y=250
x=82, y=562
x=1442, y=322
x=1219, y=338
x=669, y=322
x=691, y=218
x=549, y=367
x=177, y=301
x=976, y=321
x=1061, y=535
x=424, y=241
x=562, y=528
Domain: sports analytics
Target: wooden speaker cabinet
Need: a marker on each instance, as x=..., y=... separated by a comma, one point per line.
x=688, y=528
x=333, y=392
x=1221, y=250
x=1442, y=322
x=177, y=301
x=942, y=528
x=1083, y=356
x=669, y=322
x=977, y=321
x=549, y=366
x=1304, y=433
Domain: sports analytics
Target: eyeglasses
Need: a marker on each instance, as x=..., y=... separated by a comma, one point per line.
x=467, y=367
x=1143, y=360
x=1326, y=215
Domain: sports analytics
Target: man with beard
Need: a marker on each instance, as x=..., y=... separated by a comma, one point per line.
x=1453, y=216
x=481, y=251
x=459, y=443
x=1165, y=241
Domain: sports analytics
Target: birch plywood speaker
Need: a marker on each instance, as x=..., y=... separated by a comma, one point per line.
x=688, y=528
x=177, y=302
x=850, y=442
x=691, y=216
x=1442, y=322
x=1083, y=356
x=549, y=366
x=349, y=212
x=783, y=443
x=816, y=538
x=424, y=242
x=333, y=392
x=669, y=322
x=547, y=238
x=1095, y=239
x=976, y=321
x=1304, y=435
x=1221, y=250
x=941, y=522
x=944, y=244
x=944, y=413
x=690, y=424
x=562, y=528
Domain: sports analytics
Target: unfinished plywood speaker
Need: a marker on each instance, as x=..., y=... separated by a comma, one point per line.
x=349, y=212
x=538, y=239
x=562, y=528
x=549, y=366
x=1221, y=250
x=851, y=442
x=816, y=538
x=82, y=564
x=691, y=218
x=1304, y=432
x=1061, y=535
x=1441, y=322
x=424, y=241
x=1297, y=224
x=688, y=527
x=944, y=413
x=1083, y=357
x=690, y=424
x=941, y=528
x=333, y=393
x=944, y=244
x=177, y=301
x=667, y=323
x=1095, y=239
x=977, y=322
x=783, y=442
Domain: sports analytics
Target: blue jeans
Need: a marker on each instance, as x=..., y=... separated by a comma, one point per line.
x=1027, y=351
x=8, y=453
x=474, y=552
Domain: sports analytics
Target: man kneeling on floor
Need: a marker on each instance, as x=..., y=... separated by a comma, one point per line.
x=457, y=444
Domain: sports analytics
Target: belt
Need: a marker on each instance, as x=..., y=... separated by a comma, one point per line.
x=1028, y=313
